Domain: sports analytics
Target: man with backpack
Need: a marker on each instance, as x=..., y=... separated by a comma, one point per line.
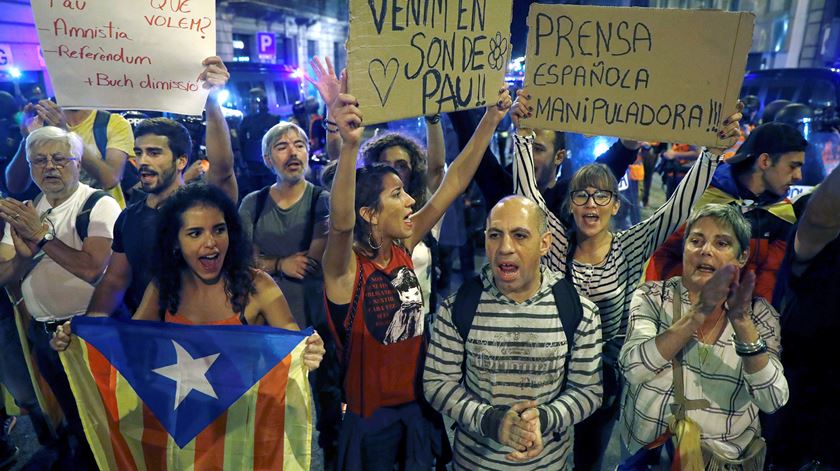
x=286, y=223
x=515, y=354
x=58, y=245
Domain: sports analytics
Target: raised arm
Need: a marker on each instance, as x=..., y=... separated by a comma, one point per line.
x=525, y=181
x=339, y=264
x=435, y=152
x=646, y=236
x=461, y=172
x=329, y=86
x=219, y=149
x=820, y=224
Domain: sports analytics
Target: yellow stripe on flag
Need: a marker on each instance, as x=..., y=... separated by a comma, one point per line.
x=91, y=408
x=239, y=444
x=131, y=420
x=297, y=439
x=180, y=459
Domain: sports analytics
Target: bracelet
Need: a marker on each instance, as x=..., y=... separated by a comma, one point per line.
x=434, y=119
x=327, y=123
x=748, y=349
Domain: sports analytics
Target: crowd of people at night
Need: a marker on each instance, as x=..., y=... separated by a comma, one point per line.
x=713, y=315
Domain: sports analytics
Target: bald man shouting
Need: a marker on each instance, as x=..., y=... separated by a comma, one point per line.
x=515, y=356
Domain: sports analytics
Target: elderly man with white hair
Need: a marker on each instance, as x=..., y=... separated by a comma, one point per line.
x=58, y=246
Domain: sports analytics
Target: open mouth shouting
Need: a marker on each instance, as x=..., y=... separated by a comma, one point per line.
x=409, y=224
x=147, y=176
x=507, y=271
x=211, y=263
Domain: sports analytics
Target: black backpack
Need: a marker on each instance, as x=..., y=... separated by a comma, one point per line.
x=566, y=299
x=83, y=218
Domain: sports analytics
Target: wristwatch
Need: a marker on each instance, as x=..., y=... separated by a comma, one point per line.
x=47, y=237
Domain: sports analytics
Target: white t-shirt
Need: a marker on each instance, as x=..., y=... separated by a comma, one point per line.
x=50, y=291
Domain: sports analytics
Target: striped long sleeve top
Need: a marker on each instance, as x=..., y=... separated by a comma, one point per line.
x=712, y=372
x=611, y=283
x=514, y=352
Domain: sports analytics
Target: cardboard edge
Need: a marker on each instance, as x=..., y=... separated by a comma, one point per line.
x=737, y=64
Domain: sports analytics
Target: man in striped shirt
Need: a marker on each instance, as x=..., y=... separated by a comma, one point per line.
x=508, y=384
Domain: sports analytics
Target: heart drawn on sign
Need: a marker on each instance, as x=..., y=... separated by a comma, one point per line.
x=383, y=77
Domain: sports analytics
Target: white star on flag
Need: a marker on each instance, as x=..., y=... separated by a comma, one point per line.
x=188, y=373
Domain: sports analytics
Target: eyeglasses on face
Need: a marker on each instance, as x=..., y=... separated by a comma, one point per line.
x=58, y=160
x=600, y=197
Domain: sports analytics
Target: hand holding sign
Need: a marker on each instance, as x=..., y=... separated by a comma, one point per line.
x=347, y=115
x=521, y=109
x=215, y=75
x=730, y=130
x=499, y=109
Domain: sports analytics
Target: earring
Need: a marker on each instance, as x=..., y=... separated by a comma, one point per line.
x=371, y=241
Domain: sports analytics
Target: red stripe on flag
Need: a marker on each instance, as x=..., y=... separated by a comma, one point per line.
x=270, y=418
x=105, y=377
x=154, y=441
x=210, y=445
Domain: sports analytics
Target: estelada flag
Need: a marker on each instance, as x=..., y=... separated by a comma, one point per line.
x=160, y=396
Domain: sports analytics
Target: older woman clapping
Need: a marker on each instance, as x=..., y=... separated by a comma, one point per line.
x=712, y=358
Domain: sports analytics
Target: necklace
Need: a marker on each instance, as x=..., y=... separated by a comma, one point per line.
x=704, y=348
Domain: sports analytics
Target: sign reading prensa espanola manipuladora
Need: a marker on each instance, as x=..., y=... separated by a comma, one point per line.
x=639, y=73
x=410, y=58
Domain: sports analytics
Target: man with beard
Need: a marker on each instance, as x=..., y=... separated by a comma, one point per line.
x=162, y=147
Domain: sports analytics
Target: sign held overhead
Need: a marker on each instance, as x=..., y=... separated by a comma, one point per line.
x=127, y=54
x=424, y=57
x=638, y=73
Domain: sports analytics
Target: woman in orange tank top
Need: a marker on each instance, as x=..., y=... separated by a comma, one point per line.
x=203, y=272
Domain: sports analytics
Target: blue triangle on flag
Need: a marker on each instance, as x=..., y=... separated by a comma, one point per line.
x=237, y=356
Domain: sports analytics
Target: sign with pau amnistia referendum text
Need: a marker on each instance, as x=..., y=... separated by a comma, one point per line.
x=640, y=73
x=127, y=54
x=409, y=58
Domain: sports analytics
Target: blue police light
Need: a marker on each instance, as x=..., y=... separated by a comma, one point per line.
x=223, y=96
x=602, y=145
x=14, y=72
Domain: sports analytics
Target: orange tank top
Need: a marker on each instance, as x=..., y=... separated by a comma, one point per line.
x=176, y=318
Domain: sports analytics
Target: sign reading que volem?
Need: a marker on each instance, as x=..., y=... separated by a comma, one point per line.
x=638, y=73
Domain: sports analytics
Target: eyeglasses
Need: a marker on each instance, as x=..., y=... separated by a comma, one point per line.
x=600, y=197
x=58, y=160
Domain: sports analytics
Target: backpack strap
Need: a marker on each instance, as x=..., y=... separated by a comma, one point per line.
x=262, y=198
x=100, y=131
x=465, y=304
x=310, y=221
x=83, y=218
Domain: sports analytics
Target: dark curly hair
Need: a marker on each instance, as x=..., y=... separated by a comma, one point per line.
x=369, y=186
x=168, y=263
x=416, y=187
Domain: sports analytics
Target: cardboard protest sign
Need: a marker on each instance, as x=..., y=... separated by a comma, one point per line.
x=639, y=73
x=127, y=54
x=410, y=58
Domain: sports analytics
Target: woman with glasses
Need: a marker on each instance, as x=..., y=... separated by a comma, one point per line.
x=606, y=266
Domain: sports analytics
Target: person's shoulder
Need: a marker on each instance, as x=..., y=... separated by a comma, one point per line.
x=264, y=285
x=117, y=119
x=249, y=200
